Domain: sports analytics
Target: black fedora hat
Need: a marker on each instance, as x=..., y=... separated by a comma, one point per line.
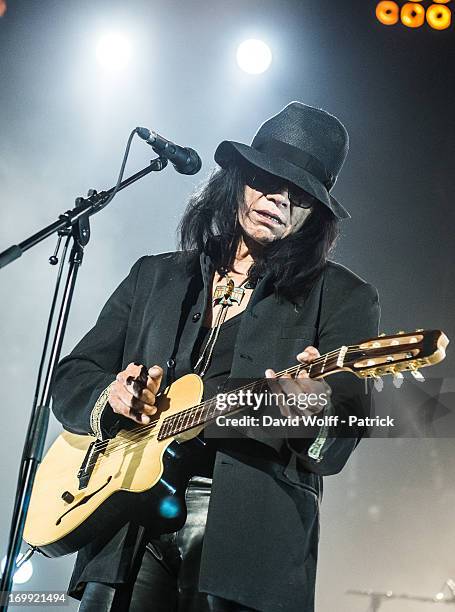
x=306, y=146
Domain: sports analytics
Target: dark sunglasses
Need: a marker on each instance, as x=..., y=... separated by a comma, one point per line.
x=267, y=183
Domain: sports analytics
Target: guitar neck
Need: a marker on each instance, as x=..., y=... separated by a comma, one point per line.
x=207, y=411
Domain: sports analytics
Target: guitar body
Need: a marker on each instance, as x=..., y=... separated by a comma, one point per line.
x=134, y=475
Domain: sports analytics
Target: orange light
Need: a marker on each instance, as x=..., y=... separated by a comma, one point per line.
x=387, y=12
x=439, y=16
x=412, y=15
x=2, y=7
x=441, y=1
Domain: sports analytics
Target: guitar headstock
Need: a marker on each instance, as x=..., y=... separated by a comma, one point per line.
x=396, y=353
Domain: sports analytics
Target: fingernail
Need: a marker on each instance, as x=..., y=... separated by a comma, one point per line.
x=145, y=419
x=304, y=355
x=269, y=374
x=154, y=371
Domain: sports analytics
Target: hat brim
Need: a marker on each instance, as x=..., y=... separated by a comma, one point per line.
x=229, y=150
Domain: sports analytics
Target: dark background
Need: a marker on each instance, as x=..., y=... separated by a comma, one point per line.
x=387, y=520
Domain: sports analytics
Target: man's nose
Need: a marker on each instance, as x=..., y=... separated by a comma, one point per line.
x=281, y=198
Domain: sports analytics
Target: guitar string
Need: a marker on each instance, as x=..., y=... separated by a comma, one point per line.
x=140, y=431
x=197, y=406
x=193, y=410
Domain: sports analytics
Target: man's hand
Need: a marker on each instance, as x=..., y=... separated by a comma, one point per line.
x=300, y=386
x=133, y=398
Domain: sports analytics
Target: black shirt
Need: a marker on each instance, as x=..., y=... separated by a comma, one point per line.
x=221, y=361
x=216, y=375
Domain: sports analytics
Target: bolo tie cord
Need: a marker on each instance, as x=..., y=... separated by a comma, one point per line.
x=226, y=301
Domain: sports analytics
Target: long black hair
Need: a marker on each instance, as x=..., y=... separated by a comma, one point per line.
x=210, y=224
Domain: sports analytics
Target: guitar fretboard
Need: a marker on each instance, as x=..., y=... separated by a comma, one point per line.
x=209, y=410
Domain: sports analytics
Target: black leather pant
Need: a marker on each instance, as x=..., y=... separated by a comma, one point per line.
x=167, y=580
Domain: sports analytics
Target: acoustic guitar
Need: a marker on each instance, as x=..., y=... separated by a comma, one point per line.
x=85, y=488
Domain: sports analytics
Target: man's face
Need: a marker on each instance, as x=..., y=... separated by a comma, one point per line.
x=269, y=213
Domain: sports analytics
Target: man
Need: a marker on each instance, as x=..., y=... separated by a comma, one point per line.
x=249, y=291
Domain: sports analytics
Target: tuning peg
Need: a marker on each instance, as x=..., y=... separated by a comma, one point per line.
x=417, y=375
x=398, y=379
x=378, y=383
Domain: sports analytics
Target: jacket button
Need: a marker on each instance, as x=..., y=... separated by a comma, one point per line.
x=170, y=363
x=196, y=316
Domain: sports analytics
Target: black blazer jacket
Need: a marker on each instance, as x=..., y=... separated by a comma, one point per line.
x=260, y=544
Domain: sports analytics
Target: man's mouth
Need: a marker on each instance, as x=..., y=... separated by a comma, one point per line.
x=266, y=215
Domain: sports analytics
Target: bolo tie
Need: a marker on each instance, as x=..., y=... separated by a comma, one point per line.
x=225, y=296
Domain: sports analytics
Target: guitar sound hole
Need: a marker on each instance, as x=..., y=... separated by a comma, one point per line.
x=84, y=500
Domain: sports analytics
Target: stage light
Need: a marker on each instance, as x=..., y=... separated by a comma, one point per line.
x=170, y=507
x=23, y=574
x=388, y=13
x=254, y=56
x=439, y=16
x=2, y=7
x=412, y=15
x=113, y=51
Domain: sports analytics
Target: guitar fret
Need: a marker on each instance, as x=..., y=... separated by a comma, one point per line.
x=163, y=429
x=201, y=414
x=195, y=413
x=204, y=412
x=184, y=420
x=324, y=363
x=191, y=415
x=178, y=422
x=170, y=424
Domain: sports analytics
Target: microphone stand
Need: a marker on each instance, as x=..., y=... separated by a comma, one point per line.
x=73, y=225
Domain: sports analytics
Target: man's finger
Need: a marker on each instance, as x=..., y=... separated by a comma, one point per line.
x=132, y=403
x=141, y=393
x=142, y=412
x=155, y=374
x=308, y=355
x=302, y=374
x=276, y=388
x=272, y=381
x=270, y=374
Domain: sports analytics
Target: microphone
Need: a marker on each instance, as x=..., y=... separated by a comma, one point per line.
x=184, y=159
